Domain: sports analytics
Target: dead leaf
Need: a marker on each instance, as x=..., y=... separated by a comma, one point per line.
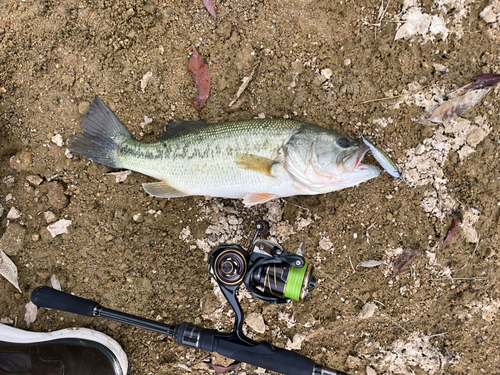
x=455, y=107
x=404, y=260
x=370, y=263
x=209, y=4
x=246, y=81
x=451, y=232
x=218, y=368
x=8, y=270
x=198, y=68
x=31, y=311
x=482, y=80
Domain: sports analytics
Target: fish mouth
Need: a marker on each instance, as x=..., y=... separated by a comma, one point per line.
x=351, y=160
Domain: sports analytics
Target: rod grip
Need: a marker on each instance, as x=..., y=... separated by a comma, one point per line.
x=44, y=296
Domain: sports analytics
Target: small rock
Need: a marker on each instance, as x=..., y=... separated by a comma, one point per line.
x=138, y=218
x=13, y=239
x=21, y=161
x=296, y=342
x=13, y=214
x=49, y=216
x=8, y=197
x=318, y=80
x=232, y=220
x=31, y=311
x=489, y=15
x=59, y=227
x=6, y=321
x=9, y=181
x=327, y=73
x=82, y=107
x=55, y=282
x=347, y=62
x=353, y=362
x=58, y=140
x=56, y=196
x=367, y=311
x=370, y=371
x=256, y=322
x=130, y=12
x=34, y=180
x=68, y=154
x=35, y=237
x=1, y=210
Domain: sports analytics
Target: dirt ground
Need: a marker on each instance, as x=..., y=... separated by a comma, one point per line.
x=324, y=62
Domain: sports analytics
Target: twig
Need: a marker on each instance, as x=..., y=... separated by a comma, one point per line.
x=458, y=278
x=470, y=257
x=350, y=261
x=386, y=98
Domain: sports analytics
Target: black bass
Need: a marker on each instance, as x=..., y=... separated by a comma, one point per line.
x=254, y=160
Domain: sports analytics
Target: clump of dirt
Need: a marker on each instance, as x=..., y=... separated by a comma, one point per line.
x=354, y=67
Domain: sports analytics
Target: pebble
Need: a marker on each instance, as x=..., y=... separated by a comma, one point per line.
x=12, y=241
x=352, y=362
x=56, y=196
x=319, y=80
x=82, y=107
x=34, y=180
x=1, y=210
x=256, y=322
x=370, y=371
x=367, y=311
x=13, y=214
x=327, y=73
x=9, y=197
x=58, y=140
x=49, y=216
x=9, y=181
x=20, y=161
x=59, y=227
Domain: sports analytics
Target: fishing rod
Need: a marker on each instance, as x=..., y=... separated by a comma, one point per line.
x=269, y=272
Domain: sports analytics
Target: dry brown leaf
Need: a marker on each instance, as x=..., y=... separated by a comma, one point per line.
x=404, y=260
x=198, y=68
x=455, y=107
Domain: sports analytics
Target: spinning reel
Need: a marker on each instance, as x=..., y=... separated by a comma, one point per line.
x=269, y=272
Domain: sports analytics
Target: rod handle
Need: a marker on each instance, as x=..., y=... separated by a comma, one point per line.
x=44, y=296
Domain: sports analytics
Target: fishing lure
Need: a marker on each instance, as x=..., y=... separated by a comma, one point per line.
x=383, y=159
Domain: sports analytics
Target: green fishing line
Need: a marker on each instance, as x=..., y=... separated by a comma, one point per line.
x=294, y=282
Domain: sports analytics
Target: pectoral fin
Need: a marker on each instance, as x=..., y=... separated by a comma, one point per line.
x=161, y=189
x=256, y=198
x=255, y=163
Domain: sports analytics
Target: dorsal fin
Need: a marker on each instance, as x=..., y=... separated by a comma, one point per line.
x=177, y=127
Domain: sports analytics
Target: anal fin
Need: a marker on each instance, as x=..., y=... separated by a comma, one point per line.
x=161, y=189
x=256, y=198
x=255, y=163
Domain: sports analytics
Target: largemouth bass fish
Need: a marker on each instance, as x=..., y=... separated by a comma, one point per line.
x=254, y=160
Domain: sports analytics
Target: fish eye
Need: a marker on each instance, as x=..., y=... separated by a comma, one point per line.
x=343, y=142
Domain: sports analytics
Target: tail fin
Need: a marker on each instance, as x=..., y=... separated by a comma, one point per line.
x=102, y=135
